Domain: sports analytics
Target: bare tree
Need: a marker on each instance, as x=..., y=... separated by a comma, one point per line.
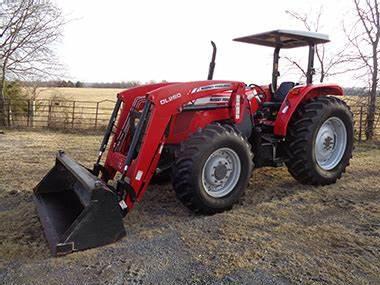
x=28, y=31
x=329, y=63
x=364, y=37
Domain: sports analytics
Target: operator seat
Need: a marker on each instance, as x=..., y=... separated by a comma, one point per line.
x=279, y=96
x=282, y=91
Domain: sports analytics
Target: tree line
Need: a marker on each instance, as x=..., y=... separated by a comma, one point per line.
x=80, y=84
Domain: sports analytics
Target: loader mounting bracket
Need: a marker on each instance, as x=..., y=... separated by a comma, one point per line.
x=124, y=189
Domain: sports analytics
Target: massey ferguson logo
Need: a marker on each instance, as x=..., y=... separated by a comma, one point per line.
x=170, y=98
x=211, y=87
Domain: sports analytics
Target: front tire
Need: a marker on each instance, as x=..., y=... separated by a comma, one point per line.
x=212, y=169
x=320, y=141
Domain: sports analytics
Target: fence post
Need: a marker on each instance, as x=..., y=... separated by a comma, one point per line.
x=49, y=114
x=33, y=102
x=73, y=116
x=28, y=114
x=360, y=124
x=378, y=120
x=9, y=116
x=96, y=115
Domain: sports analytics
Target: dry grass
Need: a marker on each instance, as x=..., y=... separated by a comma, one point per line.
x=80, y=94
x=310, y=235
x=327, y=235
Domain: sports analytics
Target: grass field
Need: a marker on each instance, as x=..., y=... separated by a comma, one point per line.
x=281, y=232
x=79, y=94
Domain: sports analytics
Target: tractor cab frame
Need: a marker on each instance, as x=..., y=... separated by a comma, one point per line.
x=287, y=39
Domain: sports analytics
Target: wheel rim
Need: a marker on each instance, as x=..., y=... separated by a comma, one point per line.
x=221, y=172
x=330, y=143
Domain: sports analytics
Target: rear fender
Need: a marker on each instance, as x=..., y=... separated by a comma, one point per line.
x=295, y=98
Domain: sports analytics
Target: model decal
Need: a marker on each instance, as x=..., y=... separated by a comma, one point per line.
x=211, y=87
x=170, y=98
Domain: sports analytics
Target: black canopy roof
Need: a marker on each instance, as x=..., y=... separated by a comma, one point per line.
x=285, y=39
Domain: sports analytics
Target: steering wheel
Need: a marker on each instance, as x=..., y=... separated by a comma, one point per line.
x=259, y=88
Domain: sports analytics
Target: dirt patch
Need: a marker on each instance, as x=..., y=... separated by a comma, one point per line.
x=281, y=232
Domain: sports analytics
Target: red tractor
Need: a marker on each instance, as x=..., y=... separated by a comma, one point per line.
x=207, y=137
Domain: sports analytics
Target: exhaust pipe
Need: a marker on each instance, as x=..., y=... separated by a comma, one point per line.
x=76, y=209
x=212, y=63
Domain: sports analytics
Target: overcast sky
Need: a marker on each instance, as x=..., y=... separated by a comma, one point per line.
x=118, y=40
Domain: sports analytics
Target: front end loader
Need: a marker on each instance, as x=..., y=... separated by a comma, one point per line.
x=209, y=136
x=76, y=209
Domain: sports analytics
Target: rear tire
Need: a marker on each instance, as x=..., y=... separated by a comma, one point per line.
x=320, y=141
x=212, y=169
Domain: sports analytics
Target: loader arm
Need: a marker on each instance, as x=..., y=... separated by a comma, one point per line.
x=131, y=99
x=150, y=135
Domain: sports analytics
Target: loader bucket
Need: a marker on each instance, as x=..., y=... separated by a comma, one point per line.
x=76, y=209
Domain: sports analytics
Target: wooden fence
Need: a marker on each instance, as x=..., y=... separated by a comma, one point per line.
x=69, y=114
